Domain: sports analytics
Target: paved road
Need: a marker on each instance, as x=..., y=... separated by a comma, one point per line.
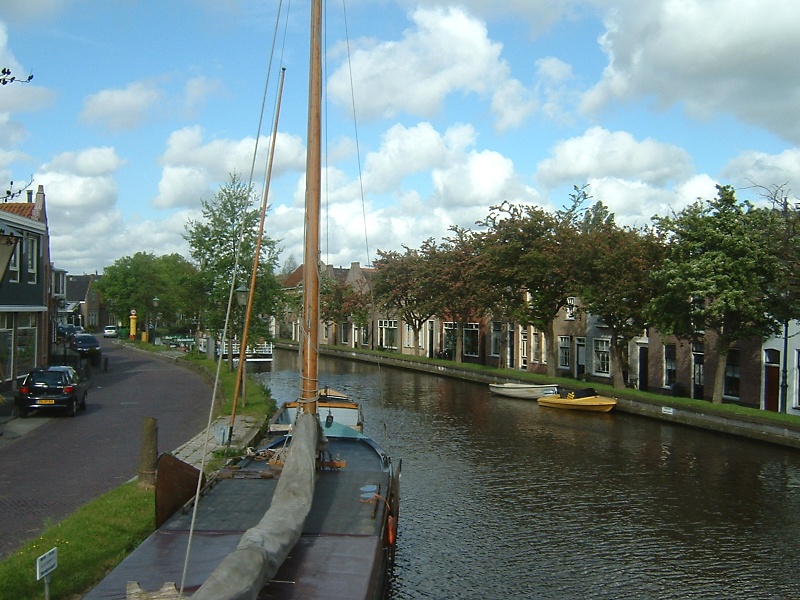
x=49, y=466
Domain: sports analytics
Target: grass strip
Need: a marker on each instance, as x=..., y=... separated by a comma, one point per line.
x=90, y=543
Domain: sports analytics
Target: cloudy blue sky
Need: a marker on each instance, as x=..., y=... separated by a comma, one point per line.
x=139, y=109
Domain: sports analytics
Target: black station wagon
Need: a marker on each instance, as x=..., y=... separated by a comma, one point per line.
x=52, y=388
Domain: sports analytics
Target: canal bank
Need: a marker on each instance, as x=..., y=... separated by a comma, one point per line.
x=665, y=408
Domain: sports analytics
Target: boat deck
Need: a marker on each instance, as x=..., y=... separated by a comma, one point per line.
x=340, y=553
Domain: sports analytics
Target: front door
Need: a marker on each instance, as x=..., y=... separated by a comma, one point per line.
x=772, y=379
x=644, y=381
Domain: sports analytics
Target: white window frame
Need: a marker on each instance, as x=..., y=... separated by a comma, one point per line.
x=569, y=309
x=469, y=328
x=13, y=263
x=32, y=258
x=384, y=326
x=601, y=365
x=564, y=350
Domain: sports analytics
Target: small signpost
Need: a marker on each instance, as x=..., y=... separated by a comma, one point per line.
x=45, y=565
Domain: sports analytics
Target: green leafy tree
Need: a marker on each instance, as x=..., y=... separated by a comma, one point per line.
x=132, y=283
x=333, y=302
x=536, y=252
x=403, y=285
x=614, y=279
x=228, y=219
x=720, y=274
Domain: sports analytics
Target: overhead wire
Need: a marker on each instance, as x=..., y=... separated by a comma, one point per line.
x=232, y=288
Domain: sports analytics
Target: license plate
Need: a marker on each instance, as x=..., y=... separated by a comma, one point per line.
x=45, y=402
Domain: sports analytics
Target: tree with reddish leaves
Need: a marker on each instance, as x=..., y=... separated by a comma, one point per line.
x=460, y=294
x=534, y=252
x=404, y=285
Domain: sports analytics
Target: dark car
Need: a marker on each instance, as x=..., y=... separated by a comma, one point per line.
x=51, y=388
x=65, y=331
x=87, y=346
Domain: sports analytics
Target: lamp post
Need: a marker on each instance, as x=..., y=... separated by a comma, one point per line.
x=155, y=319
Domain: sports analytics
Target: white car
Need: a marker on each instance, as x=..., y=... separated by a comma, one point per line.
x=110, y=331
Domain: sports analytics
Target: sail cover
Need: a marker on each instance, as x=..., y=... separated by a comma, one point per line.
x=263, y=548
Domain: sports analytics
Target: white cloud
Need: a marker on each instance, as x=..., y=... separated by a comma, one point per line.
x=26, y=10
x=708, y=56
x=635, y=202
x=122, y=109
x=601, y=153
x=448, y=51
x=197, y=90
x=193, y=167
x=91, y=162
x=762, y=169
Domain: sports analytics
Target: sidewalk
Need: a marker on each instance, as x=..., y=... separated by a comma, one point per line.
x=245, y=432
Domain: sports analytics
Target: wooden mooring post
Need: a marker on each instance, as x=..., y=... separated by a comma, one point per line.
x=149, y=453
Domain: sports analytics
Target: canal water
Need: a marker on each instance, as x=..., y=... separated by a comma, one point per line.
x=503, y=499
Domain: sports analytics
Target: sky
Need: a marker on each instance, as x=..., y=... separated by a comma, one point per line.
x=139, y=110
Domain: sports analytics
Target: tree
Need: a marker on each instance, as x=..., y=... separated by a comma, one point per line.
x=720, y=274
x=403, y=284
x=537, y=252
x=459, y=294
x=132, y=282
x=614, y=279
x=333, y=302
x=229, y=224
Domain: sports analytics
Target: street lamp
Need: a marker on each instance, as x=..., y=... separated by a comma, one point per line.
x=242, y=295
x=155, y=320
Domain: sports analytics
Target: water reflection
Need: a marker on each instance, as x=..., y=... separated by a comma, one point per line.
x=502, y=499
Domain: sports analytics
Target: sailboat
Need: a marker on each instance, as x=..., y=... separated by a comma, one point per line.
x=310, y=514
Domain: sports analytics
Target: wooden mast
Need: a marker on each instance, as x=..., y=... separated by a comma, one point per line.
x=311, y=273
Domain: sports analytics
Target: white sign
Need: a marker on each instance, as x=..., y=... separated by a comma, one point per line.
x=667, y=410
x=46, y=563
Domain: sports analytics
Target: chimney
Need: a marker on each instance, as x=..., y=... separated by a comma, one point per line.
x=30, y=196
x=40, y=193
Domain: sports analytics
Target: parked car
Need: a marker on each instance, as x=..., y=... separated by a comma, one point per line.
x=110, y=331
x=52, y=388
x=65, y=331
x=87, y=346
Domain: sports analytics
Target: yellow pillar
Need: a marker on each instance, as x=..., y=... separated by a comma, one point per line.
x=132, y=330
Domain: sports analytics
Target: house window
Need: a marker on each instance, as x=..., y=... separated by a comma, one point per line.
x=408, y=336
x=670, y=365
x=450, y=329
x=32, y=258
x=6, y=345
x=365, y=336
x=797, y=382
x=732, y=372
x=602, y=356
x=523, y=347
x=387, y=334
x=345, y=334
x=535, y=347
x=570, y=308
x=471, y=339
x=26, y=342
x=13, y=264
x=563, y=351
x=497, y=335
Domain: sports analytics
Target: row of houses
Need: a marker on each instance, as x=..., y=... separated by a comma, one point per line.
x=35, y=297
x=757, y=374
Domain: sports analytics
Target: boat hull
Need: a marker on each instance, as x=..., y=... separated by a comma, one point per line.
x=344, y=532
x=590, y=403
x=523, y=391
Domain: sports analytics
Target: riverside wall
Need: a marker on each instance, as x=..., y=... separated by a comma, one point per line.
x=661, y=407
